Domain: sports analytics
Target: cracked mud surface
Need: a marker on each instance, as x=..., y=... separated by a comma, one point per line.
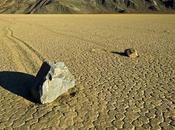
x=113, y=92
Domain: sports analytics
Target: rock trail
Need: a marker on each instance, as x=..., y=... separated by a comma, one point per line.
x=22, y=53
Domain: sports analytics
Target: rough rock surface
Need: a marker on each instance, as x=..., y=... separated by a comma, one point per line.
x=52, y=80
x=86, y=6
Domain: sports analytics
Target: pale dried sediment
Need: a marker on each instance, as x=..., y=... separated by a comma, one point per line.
x=113, y=91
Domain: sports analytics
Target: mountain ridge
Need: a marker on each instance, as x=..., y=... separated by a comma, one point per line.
x=86, y=6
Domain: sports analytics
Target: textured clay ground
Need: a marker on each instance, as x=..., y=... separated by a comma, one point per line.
x=113, y=92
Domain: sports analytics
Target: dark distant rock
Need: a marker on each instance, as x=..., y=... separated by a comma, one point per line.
x=132, y=53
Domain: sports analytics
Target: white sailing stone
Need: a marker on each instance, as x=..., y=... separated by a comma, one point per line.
x=52, y=80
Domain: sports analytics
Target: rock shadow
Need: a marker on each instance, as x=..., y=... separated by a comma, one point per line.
x=17, y=83
x=119, y=53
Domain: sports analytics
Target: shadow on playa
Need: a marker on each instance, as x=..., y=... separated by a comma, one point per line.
x=119, y=53
x=17, y=83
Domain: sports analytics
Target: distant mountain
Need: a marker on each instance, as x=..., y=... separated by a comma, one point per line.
x=86, y=6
